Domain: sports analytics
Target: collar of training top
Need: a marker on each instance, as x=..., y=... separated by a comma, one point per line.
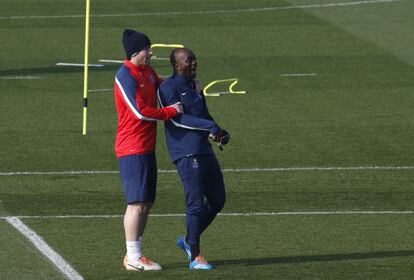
x=181, y=79
x=131, y=65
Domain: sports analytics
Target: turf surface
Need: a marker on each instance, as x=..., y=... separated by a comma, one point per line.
x=355, y=110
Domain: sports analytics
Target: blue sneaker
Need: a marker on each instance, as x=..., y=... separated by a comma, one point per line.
x=184, y=246
x=200, y=263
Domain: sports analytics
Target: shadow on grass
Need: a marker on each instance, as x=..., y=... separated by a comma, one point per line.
x=314, y=258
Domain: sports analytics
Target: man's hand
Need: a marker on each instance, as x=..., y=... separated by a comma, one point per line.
x=223, y=137
x=178, y=107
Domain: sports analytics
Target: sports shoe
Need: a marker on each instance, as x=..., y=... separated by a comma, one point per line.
x=200, y=263
x=141, y=265
x=184, y=246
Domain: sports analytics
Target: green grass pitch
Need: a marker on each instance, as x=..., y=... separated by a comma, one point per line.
x=349, y=104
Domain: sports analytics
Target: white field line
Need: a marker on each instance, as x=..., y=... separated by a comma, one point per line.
x=111, y=61
x=78, y=64
x=101, y=90
x=298, y=75
x=160, y=58
x=227, y=170
x=154, y=57
x=201, y=12
x=20, y=77
x=45, y=249
x=248, y=214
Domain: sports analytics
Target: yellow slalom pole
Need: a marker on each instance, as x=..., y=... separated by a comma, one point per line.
x=85, y=74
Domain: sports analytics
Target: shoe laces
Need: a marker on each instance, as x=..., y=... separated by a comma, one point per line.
x=201, y=259
x=145, y=260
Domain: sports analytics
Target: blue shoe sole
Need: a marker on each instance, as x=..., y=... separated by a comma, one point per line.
x=196, y=266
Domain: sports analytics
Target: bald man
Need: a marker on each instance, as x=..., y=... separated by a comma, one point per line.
x=187, y=138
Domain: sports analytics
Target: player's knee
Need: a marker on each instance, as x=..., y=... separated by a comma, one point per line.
x=195, y=209
x=218, y=204
x=139, y=208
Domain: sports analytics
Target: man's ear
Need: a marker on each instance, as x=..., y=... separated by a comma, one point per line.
x=177, y=67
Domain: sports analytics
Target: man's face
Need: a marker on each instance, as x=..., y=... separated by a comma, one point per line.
x=186, y=63
x=143, y=57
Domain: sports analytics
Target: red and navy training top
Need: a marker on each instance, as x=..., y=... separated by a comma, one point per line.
x=136, y=103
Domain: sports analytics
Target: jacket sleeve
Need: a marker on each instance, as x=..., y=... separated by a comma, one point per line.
x=168, y=95
x=205, y=108
x=127, y=88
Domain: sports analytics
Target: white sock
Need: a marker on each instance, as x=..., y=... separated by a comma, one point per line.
x=134, y=251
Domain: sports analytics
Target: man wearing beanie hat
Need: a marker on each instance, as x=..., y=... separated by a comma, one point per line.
x=134, y=42
x=136, y=84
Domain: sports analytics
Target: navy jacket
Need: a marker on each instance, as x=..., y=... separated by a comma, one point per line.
x=186, y=134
